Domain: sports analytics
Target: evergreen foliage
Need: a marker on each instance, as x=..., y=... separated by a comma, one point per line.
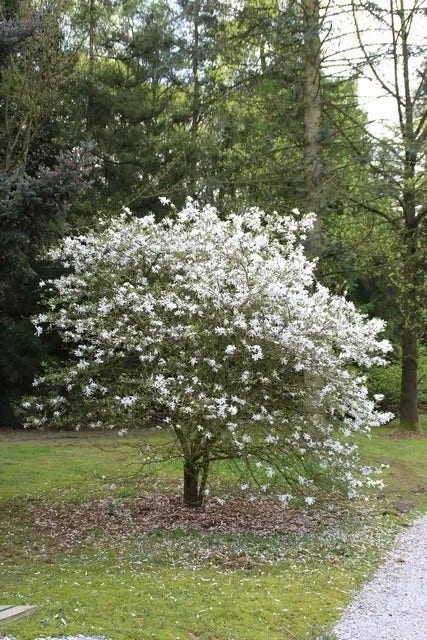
x=199, y=98
x=38, y=185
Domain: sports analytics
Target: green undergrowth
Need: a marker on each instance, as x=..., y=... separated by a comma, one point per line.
x=180, y=584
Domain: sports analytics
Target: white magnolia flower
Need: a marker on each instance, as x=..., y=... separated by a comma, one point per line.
x=151, y=310
x=230, y=349
x=128, y=401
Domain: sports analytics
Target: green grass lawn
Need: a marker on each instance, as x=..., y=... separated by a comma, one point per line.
x=72, y=466
x=183, y=584
x=407, y=456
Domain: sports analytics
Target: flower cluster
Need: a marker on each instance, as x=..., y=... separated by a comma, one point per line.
x=217, y=331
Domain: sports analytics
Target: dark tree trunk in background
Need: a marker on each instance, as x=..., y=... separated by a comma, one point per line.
x=405, y=176
x=408, y=393
x=195, y=99
x=410, y=312
x=312, y=118
x=90, y=100
x=411, y=303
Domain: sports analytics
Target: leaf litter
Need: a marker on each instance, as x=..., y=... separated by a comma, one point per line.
x=237, y=533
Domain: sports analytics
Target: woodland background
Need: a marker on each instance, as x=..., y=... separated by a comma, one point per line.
x=106, y=104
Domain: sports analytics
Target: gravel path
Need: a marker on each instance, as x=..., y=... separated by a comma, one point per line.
x=393, y=606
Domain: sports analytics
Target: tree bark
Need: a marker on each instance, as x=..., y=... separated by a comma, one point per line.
x=90, y=99
x=195, y=480
x=409, y=339
x=411, y=290
x=408, y=392
x=192, y=496
x=11, y=9
x=312, y=118
x=404, y=185
x=195, y=99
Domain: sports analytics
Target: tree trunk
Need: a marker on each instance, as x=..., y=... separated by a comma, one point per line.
x=312, y=119
x=409, y=99
x=408, y=392
x=10, y=9
x=192, y=496
x=409, y=340
x=195, y=480
x=90, y=98
x=195, y=100
x=411, y=269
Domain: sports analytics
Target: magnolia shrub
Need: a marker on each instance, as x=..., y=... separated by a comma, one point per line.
x=216, y=331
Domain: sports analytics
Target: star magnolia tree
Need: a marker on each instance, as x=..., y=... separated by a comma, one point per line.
x=216, y=331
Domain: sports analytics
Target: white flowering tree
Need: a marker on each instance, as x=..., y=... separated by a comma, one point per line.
x=216, y=331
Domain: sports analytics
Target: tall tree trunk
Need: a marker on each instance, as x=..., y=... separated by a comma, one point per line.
x=312, y=147
x=409, y=339
x=408, y=391
x=411, y=268
x=90, y=100
x=10, y=9
x=409, y=98
x=195, y=99
x=312, y=118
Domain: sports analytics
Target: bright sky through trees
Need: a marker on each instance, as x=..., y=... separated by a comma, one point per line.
x=343, y=53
